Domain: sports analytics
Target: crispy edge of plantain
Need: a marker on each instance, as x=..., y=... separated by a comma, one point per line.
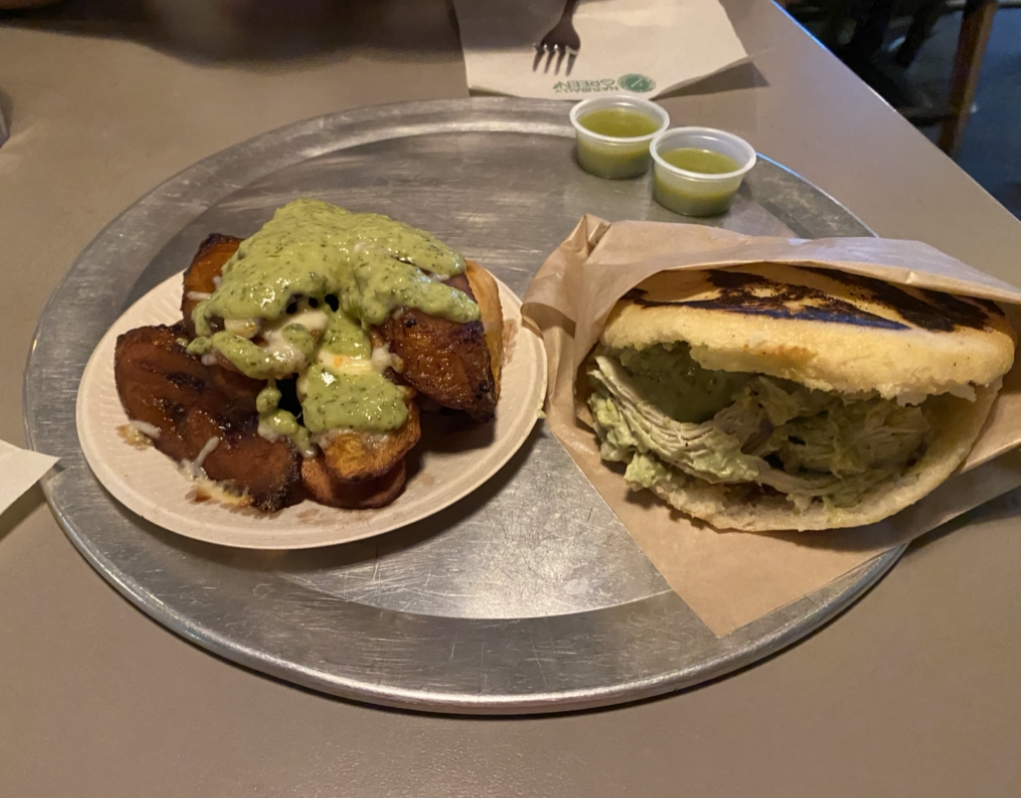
x=324, y=488
x=205, y=267
x=487, y=296
x=359, y=456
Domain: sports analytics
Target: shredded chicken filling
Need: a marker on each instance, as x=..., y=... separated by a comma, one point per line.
x=746, y=428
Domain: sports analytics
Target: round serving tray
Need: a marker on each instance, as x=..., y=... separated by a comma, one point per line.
x=525, y=596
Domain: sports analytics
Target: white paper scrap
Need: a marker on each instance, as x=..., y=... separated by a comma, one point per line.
x=20, y=469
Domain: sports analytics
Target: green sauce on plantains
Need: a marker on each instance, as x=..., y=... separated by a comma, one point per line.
x=275, y=423
x=344, y=336
x=344, y=389
x=308, y=251
x=362, y=401
x=311, y=248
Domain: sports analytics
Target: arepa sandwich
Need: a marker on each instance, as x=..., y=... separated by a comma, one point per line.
x=769, y=397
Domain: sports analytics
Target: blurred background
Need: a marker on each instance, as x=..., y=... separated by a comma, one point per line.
x=951, y=67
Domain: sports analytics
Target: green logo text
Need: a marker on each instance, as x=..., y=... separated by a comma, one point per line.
x=630, y=82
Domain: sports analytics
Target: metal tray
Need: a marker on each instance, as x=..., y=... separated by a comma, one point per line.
x=526, y=596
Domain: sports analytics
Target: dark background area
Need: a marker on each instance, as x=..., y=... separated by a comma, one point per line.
x=991, y=147
x=281, y=30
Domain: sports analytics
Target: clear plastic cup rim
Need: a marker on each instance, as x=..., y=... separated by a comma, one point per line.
x=623, y=99
x=740, y=143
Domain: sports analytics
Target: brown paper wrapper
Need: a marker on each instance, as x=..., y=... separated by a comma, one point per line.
x=733, y=578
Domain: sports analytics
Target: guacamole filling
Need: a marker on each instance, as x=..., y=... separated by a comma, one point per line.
x=298, y=298
x=670, y=420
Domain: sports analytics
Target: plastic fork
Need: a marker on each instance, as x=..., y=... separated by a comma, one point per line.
x=561, y=41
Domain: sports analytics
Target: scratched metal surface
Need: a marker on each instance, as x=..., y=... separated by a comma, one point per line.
x=527, y=596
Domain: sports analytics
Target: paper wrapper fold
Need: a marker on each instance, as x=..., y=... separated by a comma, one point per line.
x=733, y=578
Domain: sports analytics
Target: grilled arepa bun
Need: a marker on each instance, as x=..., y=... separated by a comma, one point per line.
x=769, y=397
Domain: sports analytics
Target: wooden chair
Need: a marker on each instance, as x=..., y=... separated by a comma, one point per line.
x=976, y=24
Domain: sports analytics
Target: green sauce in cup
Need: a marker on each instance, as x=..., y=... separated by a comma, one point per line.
x=699, y=170
x=620, y=123
x=692, y=201
x=706, y=162
x=613, y=134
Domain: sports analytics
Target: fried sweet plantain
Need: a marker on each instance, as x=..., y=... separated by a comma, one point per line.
x=487, y=295
x=191, y=404
x=326, y=489
x=456, y=365
x=450, y=362
x=361, y=470
x=359, y=456
x=200, y=277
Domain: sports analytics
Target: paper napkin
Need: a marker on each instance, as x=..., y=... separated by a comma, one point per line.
x=645, y=47
x=19, y=470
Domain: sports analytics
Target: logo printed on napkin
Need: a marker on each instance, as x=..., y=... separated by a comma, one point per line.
x=645, y=47
x=639, y=84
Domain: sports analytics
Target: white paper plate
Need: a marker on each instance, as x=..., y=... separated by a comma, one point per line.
x=453, y=459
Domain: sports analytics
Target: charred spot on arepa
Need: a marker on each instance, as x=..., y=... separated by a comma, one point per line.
x=989, y=305
x=756, y=295
x=930, y=310
x=767, y=318
x=965, y=311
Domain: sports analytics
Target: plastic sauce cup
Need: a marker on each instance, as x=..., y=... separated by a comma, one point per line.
x=616, y=156
x=697, y=193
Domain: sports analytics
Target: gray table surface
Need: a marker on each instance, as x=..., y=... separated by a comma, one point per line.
x=912, y=692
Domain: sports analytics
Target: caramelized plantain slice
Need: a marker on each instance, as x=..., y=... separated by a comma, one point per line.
x=359, y=456
x=456, y=365
x=487, y=295
x=200, y=277
x=447, y=361
x=326, y=489
x=190, y=404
